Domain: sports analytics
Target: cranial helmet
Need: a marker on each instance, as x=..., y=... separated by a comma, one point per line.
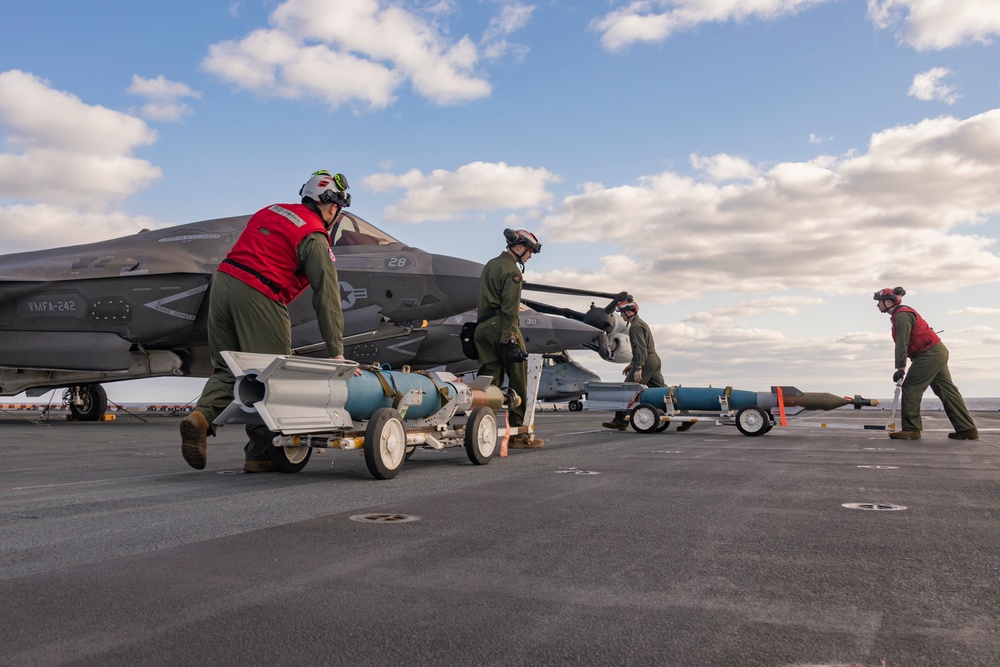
x=628, y=306
x=522, y=237
x=894, y=294
x=324, y=188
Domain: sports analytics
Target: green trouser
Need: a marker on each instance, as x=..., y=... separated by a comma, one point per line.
x=930, y=369
x=493, y=362
x=241, y=319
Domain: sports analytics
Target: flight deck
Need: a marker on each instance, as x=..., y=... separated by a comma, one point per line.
x=804, y=547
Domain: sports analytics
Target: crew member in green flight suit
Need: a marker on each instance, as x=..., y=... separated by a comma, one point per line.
x=499, y=343
x=283, y=249
x=915, y=339
x=645, y=365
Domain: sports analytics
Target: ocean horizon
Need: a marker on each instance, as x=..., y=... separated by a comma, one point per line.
x=932, y=404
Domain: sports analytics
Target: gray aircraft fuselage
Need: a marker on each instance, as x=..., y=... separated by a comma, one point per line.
x=136, y=306
x=565, y=379
x=438, y=346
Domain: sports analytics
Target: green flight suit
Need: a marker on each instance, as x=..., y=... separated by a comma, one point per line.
x=927, y=369
x=499, y=302
x=243, y=319
x=644, y=354
x=644, y=357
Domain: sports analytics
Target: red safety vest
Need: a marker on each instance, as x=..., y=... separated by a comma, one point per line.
x=922, y=336
x=266, y=254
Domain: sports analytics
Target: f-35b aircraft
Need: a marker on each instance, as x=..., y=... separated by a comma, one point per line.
x=136, y=307
x=565, y=379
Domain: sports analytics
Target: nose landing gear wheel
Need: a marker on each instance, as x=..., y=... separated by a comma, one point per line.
x=752, y=420
x=385, y=443
x=481, y=435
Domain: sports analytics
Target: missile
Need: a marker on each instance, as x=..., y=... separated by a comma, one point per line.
x=295, y=395
x=710, y=398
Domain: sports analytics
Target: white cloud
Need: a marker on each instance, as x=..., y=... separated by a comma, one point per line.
x=343, y=51
x=975, y=311
x=68, y=161
x=934, y=25
x=657, y=20
x=37, y=116
x=163, y=97
x=724, y=167
x=773, y=305
x=904, y=212
x=473, y=188
x=64, y=149
x=928, y=86
x=755, y=358
x=31, y=227
x=923, y=24
x=274, y=64
x=511, y=18
x=816, y=139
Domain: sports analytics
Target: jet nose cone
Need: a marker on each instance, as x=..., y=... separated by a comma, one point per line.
x=546, y=334
x=458, y=281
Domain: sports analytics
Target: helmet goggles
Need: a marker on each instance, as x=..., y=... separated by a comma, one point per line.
x=326, y=188
x=522, y=237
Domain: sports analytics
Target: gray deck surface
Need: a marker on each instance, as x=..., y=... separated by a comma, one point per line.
x=603, y=548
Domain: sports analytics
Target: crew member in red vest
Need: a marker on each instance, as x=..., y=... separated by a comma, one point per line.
x=283, y=249
x=928, y=368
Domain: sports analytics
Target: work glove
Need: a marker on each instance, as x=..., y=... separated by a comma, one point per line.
x=898, y=375
x=514, y=353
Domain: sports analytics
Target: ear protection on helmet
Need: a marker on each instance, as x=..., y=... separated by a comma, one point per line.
x=628, y=306
x=326, y=188
x=895, y=294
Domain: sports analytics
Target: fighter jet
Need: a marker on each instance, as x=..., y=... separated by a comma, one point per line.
x=136, y=307
x=438, y=345
x=564, y=379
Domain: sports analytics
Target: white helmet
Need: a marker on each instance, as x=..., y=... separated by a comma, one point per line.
x=324, y=188
x=522, y=237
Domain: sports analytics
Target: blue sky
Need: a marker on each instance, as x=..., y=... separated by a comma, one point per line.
x=750, y=171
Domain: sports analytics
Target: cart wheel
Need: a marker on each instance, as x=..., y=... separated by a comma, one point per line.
x=662, y=426
x=752, y=420
x=575, y=406
x=645, y=418
x=289, y=459
x=481, y=435
x=409, y=452
x=385, y=443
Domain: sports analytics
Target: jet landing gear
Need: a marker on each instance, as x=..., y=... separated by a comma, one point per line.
x=575, y=406
x=87, y=402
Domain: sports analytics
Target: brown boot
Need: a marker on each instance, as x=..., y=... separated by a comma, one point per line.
x=967, y=434
x=526, y=441
x=905, y=435
x=194, y=429
x=615, y=425
x=685, y=426
x=258, y=465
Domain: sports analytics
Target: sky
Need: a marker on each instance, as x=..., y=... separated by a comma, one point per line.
x=750, y=170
